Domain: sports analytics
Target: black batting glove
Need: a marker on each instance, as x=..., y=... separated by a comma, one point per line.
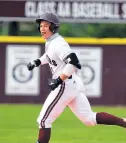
x=30, y=66
x=33, y=64
x=54, y=83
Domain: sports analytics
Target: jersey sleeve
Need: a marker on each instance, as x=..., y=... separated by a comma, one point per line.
x=43, y=59
x=63, y=51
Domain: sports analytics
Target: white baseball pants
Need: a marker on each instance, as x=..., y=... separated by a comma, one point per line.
x=69, y=95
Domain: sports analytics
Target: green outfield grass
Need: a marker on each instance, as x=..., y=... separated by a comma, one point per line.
x=18, y=125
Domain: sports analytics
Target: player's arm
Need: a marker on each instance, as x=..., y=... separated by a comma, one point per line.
x=41, y=61
x=72, y=64
x=63, y=77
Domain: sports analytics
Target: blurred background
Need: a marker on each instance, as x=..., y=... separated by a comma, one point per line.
x=96, y=31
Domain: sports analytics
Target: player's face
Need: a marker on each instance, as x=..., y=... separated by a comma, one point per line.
x=44, y=29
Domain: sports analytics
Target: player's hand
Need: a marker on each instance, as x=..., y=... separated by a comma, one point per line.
x=30, y=66
x=54, y=83
x=33, y=64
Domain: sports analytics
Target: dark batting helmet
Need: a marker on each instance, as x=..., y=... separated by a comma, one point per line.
x=52, y=18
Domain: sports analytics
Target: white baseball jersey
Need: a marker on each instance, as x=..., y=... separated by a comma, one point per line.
x=56, y=49
x=71, y=93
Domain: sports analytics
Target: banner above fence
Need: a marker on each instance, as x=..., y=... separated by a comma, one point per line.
x=75, y=11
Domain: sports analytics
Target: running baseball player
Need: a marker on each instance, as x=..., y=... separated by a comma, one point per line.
x=67, y=87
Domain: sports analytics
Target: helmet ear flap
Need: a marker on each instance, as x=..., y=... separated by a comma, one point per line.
x=38, y=27
x=53, y=28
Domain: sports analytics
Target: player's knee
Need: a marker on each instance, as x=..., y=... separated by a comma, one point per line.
x=91, y=120
x=90, y=123
x=44, y=124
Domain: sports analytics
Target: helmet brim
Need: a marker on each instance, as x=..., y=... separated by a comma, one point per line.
x=39, y=20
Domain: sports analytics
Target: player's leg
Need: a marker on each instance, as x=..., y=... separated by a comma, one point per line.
x=81, y=108
x=109, y=119
x=52, y=108
x=44, y=135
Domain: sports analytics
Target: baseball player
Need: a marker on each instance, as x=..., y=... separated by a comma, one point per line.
x=67, y=87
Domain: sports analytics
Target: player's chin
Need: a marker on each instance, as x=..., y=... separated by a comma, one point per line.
x=43, y=36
